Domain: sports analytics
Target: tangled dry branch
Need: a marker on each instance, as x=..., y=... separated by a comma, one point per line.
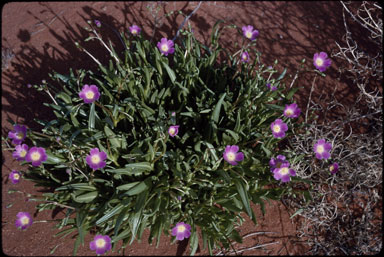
x=345, y=214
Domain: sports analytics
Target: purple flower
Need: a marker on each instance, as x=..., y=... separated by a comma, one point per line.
x=249, y=33
x=322, y=148
x=334, y=167
x=95, y=159
x=245, y=57
x=276, y=163
x=24, y=220
x=173, y=130
x=321, y=61
x=278, y=128
x=29, y=85
x=272, y=88
x=166, y=46
x=134, y=29
x=15, y=176
x=89, y=93
x=100, y=244
x=181, y=231
x=284, y=173
x=98, y=23
x=18, y=134
x=231, y=154
x=36, y=155
x=291, y=111
x=20, y=152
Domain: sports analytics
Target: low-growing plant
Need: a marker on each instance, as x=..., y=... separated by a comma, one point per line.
x=165, y=137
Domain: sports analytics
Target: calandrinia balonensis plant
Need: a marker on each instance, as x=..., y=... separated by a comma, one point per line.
x=164, y=137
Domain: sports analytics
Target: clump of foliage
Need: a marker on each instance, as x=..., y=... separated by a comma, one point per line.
x=167, y=124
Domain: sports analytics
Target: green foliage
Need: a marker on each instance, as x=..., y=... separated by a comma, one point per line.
x=216, y=104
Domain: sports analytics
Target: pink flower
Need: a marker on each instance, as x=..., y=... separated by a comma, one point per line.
x=173, y=130
x=20, y=152
x=322, y=148
x=249, y=33
x=95, y=159
x=15, y=176
x=89, y=93
x=321, y=61
x=279, y=128
x=181, y=231
x=292, y=111
x=101, y=244
x=135, y=30
x=334, y=168
x=231, y=154
x=24, y=220
x=166, y=46
x=284, y=173
x=245, y=57
x=36, y=155
x=18, y=134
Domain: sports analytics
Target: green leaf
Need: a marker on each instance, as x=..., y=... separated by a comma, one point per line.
x=91, y=121
x=216, y=111
x=243, y=196
x=52, y=159
x=65, y=97
x=194, y=243
x=86, y=198
x=112, y=137
x=170, y=72
x=282, y=75
x=110, y=213
x=127, y=186
x=132, y=168
x=120, y=219
x=77, y=186
x=139, y=188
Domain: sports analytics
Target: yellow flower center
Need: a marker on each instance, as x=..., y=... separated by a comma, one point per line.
x=181, y=228
x=164, y=47
x=95, y=159
x=23, y=153
x=16, y=176
x=245, y=57
x=35, y=156
x=20, y=135
x=24, y=220
x=100, y=243
x=319, y=62
x=284, y=171
x=231, y=156
x=331, y=168
x=134, y=31
x=276, y=128
x=289, y=112
x=172, y=131
x=320, y=149
x=248, y=34
x=89, y=95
